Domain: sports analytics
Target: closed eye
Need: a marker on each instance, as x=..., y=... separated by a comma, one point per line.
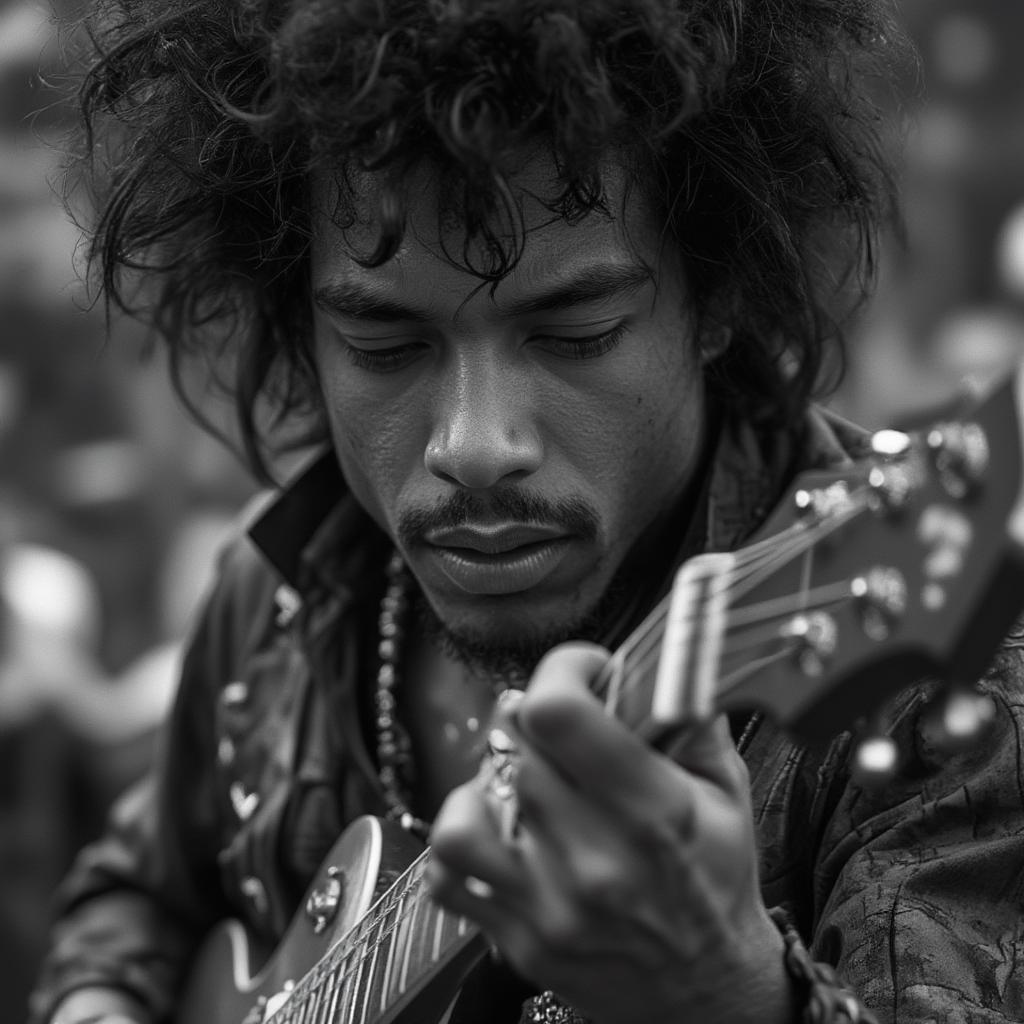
x=584, y=348
x=384, y=360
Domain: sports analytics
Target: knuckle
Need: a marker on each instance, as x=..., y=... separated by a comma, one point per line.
x=599, y=882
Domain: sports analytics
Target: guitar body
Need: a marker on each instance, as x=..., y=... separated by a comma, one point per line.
x=233, y=981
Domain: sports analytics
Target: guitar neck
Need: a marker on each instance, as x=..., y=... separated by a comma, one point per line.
x=381, y=965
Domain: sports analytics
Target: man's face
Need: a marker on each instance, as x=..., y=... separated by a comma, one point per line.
x=515, y=445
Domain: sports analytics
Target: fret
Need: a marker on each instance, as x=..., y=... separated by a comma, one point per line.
x=321, y=992
x=311, y=998
x=360, y=993
x=317, y=995
x=294, y=1005
x=390, y=959
x=435, y=950
x=371, y=972
x=349, y=991
x=289, y=1011
x=335, y=993
x=402, y=939
x=410, y=941
x=297, y=1005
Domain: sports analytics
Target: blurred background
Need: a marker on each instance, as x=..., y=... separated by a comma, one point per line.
x=112, y=503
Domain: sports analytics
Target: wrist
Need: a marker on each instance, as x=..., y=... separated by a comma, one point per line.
x=822, y=996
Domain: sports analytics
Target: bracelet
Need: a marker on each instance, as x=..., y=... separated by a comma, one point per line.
x=547, y=1008
x=826, y=999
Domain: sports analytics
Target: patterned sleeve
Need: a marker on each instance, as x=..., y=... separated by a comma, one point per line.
x=918, y=887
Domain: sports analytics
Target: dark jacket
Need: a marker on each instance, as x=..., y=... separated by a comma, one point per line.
x=914, y=890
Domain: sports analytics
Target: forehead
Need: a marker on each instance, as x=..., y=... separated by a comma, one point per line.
x=620, y=232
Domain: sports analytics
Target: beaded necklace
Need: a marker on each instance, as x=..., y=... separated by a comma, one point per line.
x=394, y=751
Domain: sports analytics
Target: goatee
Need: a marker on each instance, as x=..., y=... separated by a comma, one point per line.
x=508, y=662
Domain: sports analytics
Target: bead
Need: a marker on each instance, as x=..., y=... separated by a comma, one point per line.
x=387, y=649
x=289, y=604
x=235, y=694
x=255, y=891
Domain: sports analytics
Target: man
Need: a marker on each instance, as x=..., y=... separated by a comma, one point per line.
x=550, y=278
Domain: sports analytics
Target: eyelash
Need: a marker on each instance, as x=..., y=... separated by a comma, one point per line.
x=391, y=359
x=591, y=348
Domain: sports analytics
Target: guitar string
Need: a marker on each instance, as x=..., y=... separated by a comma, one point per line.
x=755, y=562
x=649, y=634
x=829, y=595
x=782, y=549
x=646, y=639
x=318, y=981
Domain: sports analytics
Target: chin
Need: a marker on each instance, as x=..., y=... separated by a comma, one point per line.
x=499, y=643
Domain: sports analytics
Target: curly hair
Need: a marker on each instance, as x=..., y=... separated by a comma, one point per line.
x=749, y=125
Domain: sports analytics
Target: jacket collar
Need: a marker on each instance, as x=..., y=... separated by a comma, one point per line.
x=289, y=519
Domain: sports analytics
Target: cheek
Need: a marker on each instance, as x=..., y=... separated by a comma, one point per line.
x=645, y=426
x=371, y=438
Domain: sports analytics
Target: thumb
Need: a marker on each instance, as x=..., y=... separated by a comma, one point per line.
x=705, y=748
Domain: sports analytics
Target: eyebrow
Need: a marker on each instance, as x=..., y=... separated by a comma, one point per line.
x=361, y=300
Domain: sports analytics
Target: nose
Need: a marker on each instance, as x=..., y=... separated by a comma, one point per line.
x=483, y=430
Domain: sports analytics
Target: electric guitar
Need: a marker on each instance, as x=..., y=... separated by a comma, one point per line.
x=910, y=562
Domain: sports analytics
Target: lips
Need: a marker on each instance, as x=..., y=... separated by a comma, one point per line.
x=493, y=540
x=497, y=559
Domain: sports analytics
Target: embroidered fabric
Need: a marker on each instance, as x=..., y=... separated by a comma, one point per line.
x=826, y=999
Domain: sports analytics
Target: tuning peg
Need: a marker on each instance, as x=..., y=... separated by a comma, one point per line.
x=875, y=759
x=957, y=720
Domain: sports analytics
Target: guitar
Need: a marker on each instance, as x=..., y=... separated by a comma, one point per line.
x=908, y=562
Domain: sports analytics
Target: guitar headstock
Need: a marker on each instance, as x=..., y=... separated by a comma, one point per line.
x=909, y=563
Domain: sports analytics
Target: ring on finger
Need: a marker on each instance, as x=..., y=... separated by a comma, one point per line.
x=503, y=770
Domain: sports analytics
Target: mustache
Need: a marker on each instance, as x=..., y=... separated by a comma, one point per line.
x=571, y=514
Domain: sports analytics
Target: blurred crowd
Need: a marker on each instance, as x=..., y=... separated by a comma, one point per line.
x=112, y=504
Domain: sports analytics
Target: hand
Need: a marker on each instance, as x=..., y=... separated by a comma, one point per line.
x=99, y=1005
x=630, y=886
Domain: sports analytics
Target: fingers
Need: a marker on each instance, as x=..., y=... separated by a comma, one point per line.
x=466, y=843
x=560, y=718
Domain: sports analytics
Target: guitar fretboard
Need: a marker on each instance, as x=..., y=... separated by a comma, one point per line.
x=384, y=959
